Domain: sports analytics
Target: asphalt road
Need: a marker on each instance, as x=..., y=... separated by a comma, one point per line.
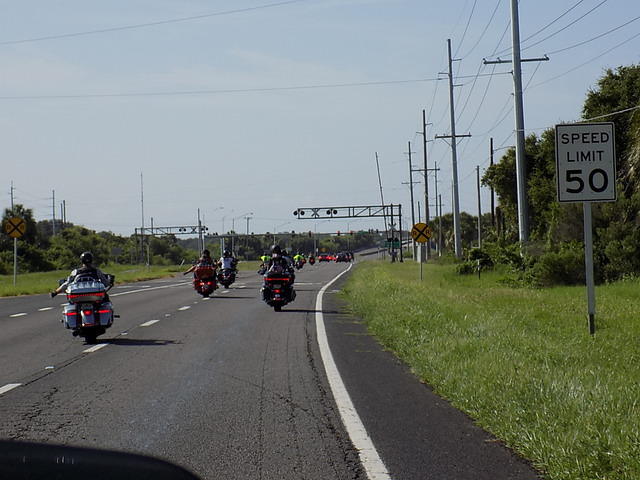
x=229, y=388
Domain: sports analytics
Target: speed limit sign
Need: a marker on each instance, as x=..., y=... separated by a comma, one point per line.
x=586, y=162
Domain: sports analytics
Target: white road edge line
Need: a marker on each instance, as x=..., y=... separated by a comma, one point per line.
x=95, y=348
x=371, y=461
x=44, y=309
x=8, y=386
x=17, y=315
x=149, y=323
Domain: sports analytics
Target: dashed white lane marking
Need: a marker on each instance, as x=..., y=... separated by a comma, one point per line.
x=369, y=457
x=8, y=386
x=224, y=291
x=186, y=307
x=205, y=299
x=149, y=289
x=95, y=348
x=242, y=286
x=18, y=315
x=45, y=309
x=149, y=323
x=65, y=304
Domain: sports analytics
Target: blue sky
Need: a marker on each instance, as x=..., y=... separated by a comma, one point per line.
x=271, y=151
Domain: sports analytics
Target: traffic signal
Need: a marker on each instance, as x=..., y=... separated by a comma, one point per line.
x=309, y=233
x=338, y=232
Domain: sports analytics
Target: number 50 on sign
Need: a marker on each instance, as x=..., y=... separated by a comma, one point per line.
x=586, y=162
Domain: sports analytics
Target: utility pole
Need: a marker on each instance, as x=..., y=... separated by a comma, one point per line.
x=142, y=219
x=381, y=196
x=439, y=201
x=200, y=240
x=247, y=218
x=521, y=168
x=479, y=208
x=53, y=209
x=64, y=212
x=454, y=159
x=426, y=182
x=493, y=206
x=15, y=243
x=413, y=212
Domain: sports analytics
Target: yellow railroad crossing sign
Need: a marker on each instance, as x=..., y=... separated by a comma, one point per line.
x=15, y=227
x=421, y=232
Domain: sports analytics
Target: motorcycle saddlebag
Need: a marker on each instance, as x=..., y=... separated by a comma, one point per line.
x=105, y=313
x=70, y=316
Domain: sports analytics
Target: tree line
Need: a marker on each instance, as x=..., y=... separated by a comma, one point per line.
x=555, y=252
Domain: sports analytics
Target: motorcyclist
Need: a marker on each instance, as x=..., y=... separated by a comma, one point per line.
x=228, y=261
x=204, y=264
x=278, y=259
x=279, y=263
x=87, y=269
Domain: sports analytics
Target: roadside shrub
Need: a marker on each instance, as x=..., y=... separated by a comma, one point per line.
x=564, y=267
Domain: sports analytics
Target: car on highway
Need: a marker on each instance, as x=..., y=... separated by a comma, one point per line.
x=342, y=257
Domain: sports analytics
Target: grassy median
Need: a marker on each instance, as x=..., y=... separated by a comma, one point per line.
x=43, y=282
x=519, y=361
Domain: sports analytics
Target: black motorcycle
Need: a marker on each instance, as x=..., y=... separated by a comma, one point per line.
x=277, y=289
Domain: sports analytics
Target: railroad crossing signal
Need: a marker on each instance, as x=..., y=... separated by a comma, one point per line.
x=15, y=227
x=421, y=232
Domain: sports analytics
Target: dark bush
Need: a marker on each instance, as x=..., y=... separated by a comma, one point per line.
x=564, y=267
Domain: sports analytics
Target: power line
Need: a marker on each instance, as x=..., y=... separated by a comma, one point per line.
x=484, y=96
x=594, y=38
x=227, y=91
x=484, y=31
x=466, y=28
x=473, y=86
x=587, y=62
x=151, y=24
x=541, y=29
x=566, y=26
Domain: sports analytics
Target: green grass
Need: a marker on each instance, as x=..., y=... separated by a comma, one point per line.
x=519, y=361
x=43, y=282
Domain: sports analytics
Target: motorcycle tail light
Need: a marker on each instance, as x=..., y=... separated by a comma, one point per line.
x=70, y=314
x=104, y=311
x=88, y=312
x=276, y=291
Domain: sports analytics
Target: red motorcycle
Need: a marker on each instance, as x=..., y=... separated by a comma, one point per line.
x=204, y=280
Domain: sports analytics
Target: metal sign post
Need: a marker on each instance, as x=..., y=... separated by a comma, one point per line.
x=421, y=233
x=15, y=228
x=586, y=172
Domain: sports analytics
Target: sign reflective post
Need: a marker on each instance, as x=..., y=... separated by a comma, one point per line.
x=586, y=172
x=421, y=233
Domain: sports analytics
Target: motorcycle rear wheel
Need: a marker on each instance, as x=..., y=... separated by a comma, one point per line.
x=277, y=307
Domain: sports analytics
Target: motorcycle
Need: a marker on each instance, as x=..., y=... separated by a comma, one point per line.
x=299, y=264
x=277, y=289
x=312, y=260
x=204, y=280
x=89, y=312
x=227, y=276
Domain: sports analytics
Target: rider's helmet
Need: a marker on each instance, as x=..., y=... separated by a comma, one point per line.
x=86, y=258
x=206, y=253
x=275, y=249
x=226, y=253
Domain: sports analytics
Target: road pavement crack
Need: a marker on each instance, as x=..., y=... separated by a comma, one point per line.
x=330, y=414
